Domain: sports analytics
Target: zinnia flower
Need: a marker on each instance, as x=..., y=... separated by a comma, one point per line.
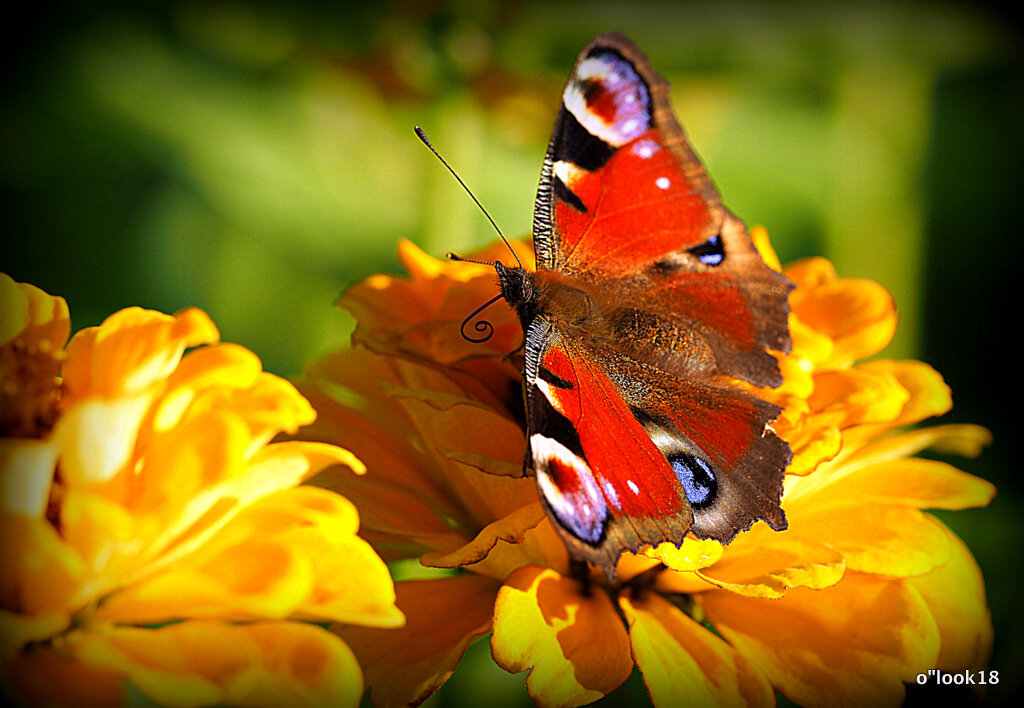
x=152, y=538
x=862, y=593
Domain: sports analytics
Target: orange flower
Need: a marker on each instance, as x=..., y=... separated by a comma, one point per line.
x=847, y=605
x=149, y=532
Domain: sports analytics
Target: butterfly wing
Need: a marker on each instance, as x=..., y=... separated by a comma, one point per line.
x=626, y=456
x=625, y=202
x=638, y=431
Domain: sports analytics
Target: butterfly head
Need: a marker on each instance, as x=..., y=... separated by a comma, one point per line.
x=519, y=288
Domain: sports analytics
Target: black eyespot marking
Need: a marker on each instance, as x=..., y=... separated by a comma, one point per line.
x=578, y=146
x=568, y=196
x=697, y=478
x=711, y=252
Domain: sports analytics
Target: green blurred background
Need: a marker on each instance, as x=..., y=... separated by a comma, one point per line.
x=254, y=158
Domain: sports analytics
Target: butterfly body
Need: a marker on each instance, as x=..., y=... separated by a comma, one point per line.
x=648, y=305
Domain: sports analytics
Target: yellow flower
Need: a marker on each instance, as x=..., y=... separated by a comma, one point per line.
x=846, y=606
x=151, y=532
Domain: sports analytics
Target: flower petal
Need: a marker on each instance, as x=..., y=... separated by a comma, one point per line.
x=26, y=474
x=33, y=315
x=683, y=663
x=955, y=593
x=929, y=394
x=925, y=484
x=854, y=644
x=886, y=539
x=769, y=567
x=199, y=662
x=857, y=314
x=131, y=350
x=292, y=553
x=406, y=665
x=510, y=529
x=574, y=644
x=692, y=554
x=45, y=676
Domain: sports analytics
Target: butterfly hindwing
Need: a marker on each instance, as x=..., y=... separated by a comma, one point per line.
x=626, y=457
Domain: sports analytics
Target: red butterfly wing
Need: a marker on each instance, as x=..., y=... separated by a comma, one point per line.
x=648, y=299
x=625, y=202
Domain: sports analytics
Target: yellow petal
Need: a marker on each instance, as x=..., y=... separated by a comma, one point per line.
x=808, y=273
x=17, y=629
x=692, y=554
x=275, y=467
x=963, y=440
x=955, y=593
x=768, y=564
x=200, y=663
x=131, y=350
x=809, y=345
x=926, y=484
x=886, y=539
x=36, y=317
x=929, y=394
x=404, y=666
x=574, y=644
x=759, y=235
x=853, y=644
x=857, y=396
x=97, y=437
x=812, y=446
x=39, y=573
x=683, y=663
x=26, y=473
x=253, y=578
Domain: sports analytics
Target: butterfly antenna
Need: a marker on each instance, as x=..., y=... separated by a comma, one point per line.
x=426, y=141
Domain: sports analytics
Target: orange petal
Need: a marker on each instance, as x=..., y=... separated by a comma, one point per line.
x=855, y=643
x=955, y=593
x=509, y=529
x=540, y=545
x=811, y=272
x=574, y=644
x=857, y=314
x=404, y=666
x=200, y=662
x=45, y=676
x=683, y=663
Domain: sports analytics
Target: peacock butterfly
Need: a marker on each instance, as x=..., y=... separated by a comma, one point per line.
x=648, y=303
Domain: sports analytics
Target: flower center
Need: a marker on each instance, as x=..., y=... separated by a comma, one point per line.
x=30, y=389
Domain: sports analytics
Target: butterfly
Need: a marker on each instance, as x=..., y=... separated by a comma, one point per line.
x=648, y=303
